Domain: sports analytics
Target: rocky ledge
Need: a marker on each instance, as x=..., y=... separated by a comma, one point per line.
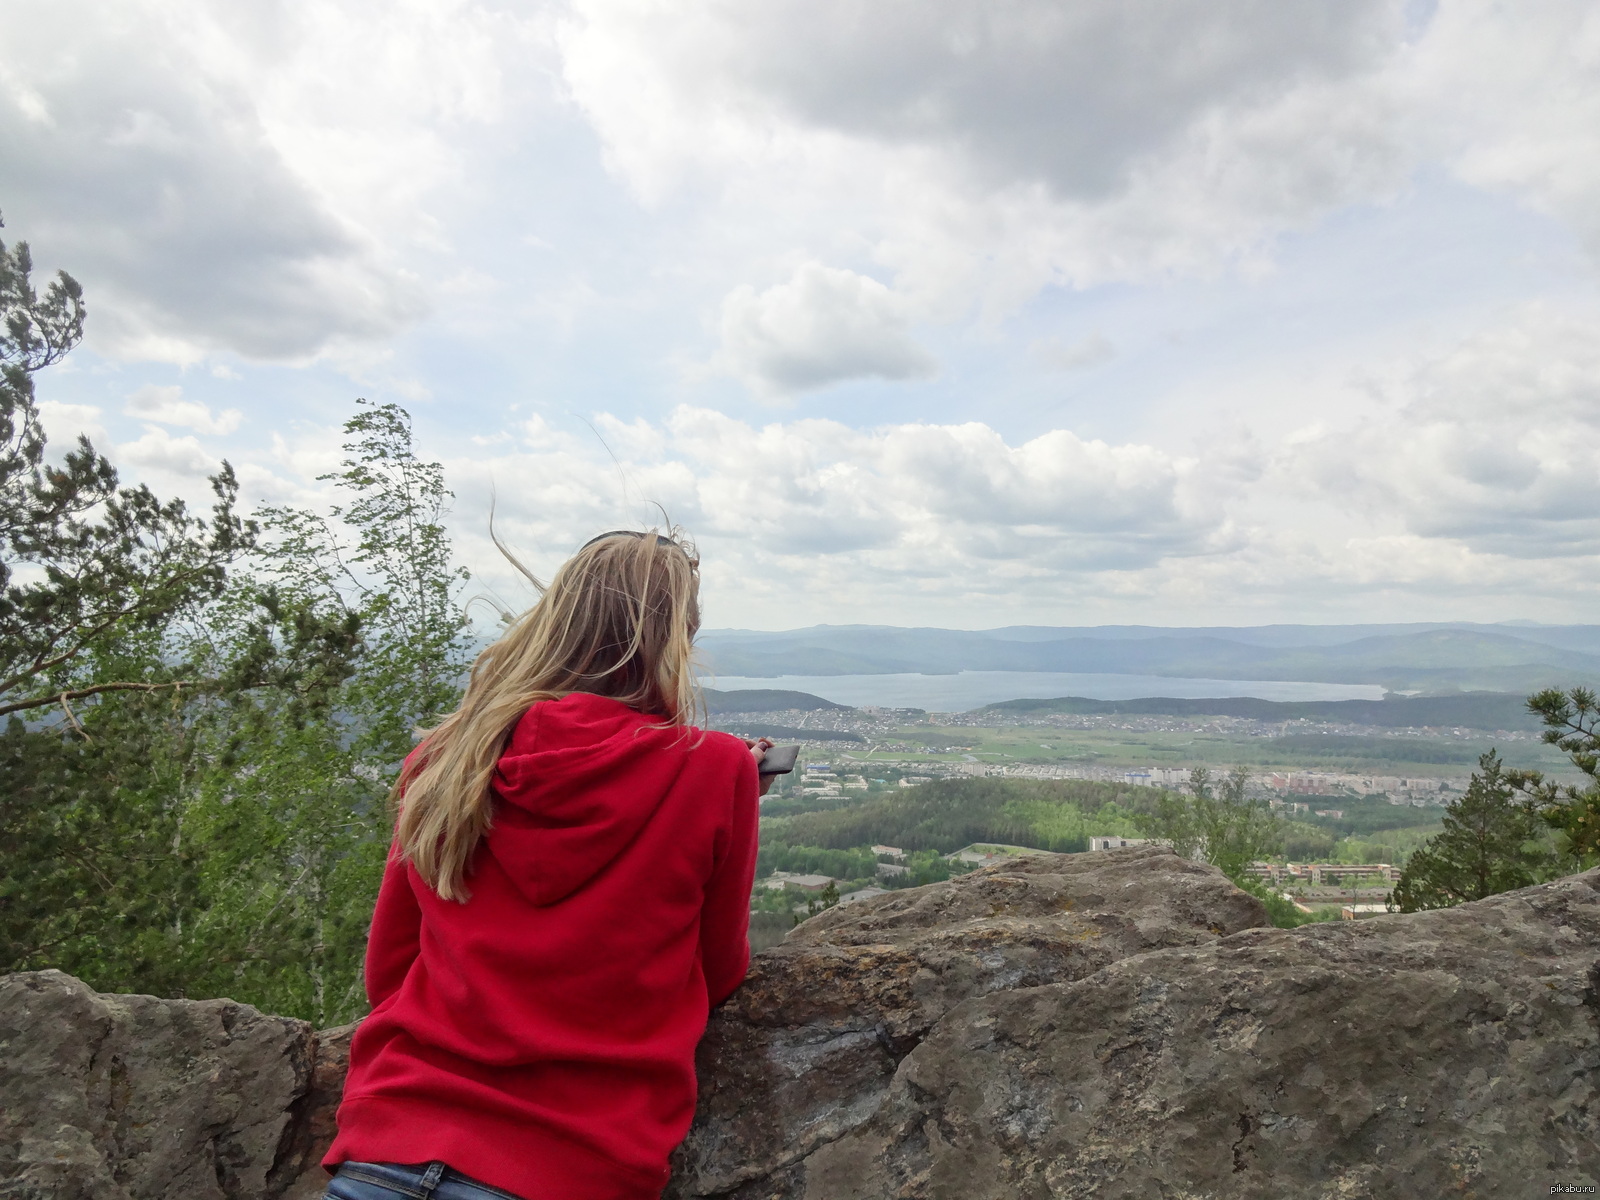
x=1107, y=1025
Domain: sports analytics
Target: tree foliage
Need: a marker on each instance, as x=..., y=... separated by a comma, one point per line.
x=205, y=713
x=87, y=566
x=1572, y=724
x=1490, y=844
x=382, y=556
x=1218, y=822
x=947, y=814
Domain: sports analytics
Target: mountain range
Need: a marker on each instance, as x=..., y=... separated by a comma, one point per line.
x=1427, y=658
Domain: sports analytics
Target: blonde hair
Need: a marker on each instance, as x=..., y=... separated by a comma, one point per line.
x=618, y=619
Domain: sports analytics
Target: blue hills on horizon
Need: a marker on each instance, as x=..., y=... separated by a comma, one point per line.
x=1432, y=658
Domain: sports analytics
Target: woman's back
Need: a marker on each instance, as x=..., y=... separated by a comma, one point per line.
x=541, y=1035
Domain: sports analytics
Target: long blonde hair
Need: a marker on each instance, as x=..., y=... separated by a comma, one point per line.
x=618, y=619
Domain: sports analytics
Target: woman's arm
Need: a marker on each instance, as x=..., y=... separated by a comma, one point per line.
x=396, y=935
x=725, y=920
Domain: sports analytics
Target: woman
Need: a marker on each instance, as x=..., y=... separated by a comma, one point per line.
x=567, y=897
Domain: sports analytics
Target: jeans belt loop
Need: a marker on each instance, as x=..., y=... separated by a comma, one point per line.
x=430, y=1177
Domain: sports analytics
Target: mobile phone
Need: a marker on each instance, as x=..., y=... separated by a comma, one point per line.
x=779, y=760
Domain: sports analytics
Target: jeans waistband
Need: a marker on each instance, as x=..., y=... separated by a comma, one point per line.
x=424, y=1181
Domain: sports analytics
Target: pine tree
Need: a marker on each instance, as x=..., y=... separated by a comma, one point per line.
x=1572, y=723
x=1490, y=844
x=87, y=566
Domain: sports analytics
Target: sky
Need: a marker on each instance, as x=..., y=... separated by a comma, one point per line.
x=942, y=312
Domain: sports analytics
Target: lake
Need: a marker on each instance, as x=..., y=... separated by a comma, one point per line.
x=974, y=689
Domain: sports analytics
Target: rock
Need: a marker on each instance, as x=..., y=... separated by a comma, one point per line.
x=1103, y=1025
x=806, y=1050
x=315, y=1113
x=135, y=1098
x=1444, y=1053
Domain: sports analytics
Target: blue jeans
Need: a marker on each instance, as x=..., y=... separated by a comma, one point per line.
x=408, y=1181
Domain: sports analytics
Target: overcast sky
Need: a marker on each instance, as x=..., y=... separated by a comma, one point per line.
x=947, y=312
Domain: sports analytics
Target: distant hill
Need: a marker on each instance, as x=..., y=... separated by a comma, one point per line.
x=754, y=727
x=1430, y=658
x=1470, y=710
x=761, y=700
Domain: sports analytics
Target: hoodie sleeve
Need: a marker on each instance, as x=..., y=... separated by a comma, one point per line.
x=725, y=921
x=396, y=935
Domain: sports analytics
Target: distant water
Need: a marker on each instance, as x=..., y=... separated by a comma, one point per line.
x=974, y=689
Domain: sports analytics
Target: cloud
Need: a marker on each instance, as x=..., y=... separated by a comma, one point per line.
x=1494, y=444
x=167, y=405
x=218, y=176
x=64, y=422
x=1089, y=351
x=823, y=326
x=1030, y=91
x=985, y=150
x=1467, y=478
x=160, y=452
x=910, y=499
x=1512, y=101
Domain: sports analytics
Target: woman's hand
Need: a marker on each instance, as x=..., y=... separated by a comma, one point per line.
x=758, y=749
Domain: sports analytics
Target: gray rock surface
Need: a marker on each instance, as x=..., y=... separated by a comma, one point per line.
x=315, y=1114
x=807, y=1048
x=135, y=1098
x=1108, y=1025
x=1448, y=1053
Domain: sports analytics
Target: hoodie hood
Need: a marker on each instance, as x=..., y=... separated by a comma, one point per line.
x=580, y=778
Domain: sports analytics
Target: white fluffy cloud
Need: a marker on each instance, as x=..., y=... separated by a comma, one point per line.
x=1511, y=97
x=1444, y=476
x=984, y=149
x=904, y=499
x=822, y=326
x=162, y=453
x=166, y=405
x=236, y=177
x=806, y=194
x=1495, y=444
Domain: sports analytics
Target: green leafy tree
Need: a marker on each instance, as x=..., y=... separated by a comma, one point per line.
x=1490, y=844
x=383, y=556
x=109, y=859
x=96, y=691
x=203, y=722
x=1572, y=723
x=297, y=824
x=1218, y=822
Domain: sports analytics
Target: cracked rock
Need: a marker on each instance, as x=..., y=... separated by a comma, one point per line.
x=1444, y=1053
x=806, y=1050
x=135, y=1098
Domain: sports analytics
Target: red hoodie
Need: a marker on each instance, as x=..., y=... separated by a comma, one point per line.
x=541, y=1036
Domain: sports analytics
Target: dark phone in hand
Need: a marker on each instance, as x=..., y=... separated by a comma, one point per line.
x=779, y=760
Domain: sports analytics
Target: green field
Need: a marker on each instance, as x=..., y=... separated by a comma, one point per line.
x=1184, y=748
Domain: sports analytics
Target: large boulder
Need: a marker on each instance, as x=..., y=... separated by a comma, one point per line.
x=1101, y=1025
x=806, y=1050
x=1445, y=1053
x=136, y=1098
